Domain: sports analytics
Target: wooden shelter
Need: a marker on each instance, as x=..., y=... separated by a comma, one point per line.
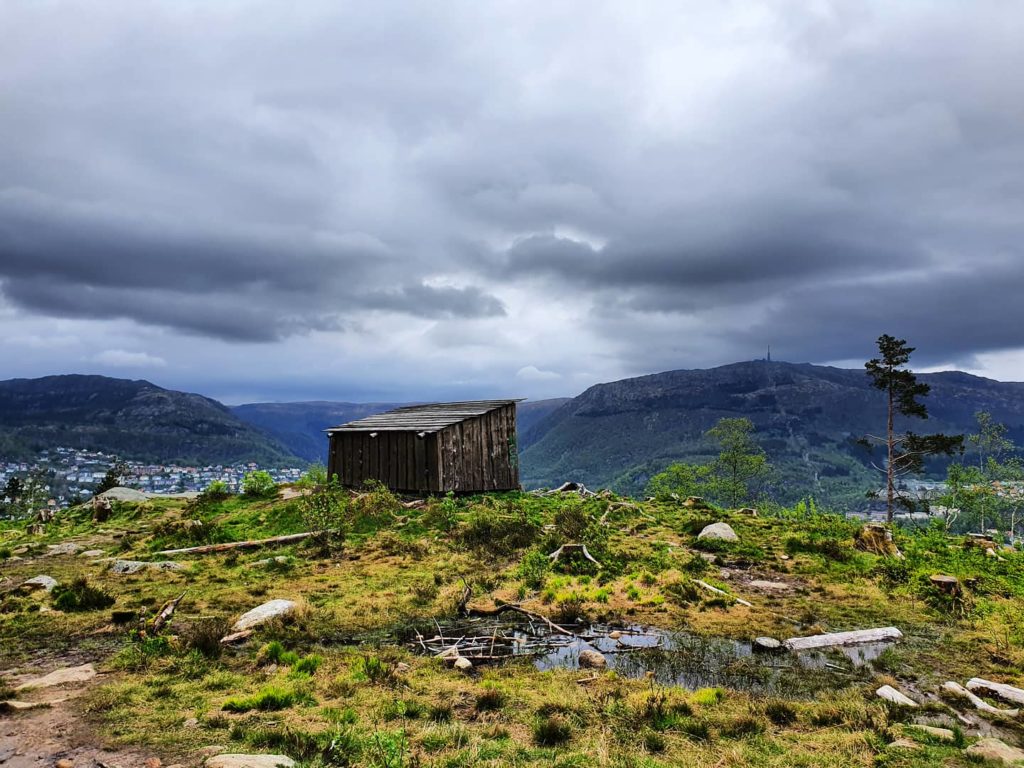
x=465, y=447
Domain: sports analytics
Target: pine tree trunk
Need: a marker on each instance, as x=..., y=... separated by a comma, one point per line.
x=889, y=469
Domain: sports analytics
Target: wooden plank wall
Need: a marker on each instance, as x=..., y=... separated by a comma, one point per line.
x=478, y=454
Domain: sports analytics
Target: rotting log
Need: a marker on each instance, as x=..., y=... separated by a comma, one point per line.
x=999, y=690
x=163, y=618
x=980, y=704
x=832, y=639
x=252, y=544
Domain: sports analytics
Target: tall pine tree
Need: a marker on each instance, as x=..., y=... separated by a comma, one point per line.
x=905, y=451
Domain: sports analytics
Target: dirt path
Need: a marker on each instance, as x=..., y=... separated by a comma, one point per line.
x=41, y=737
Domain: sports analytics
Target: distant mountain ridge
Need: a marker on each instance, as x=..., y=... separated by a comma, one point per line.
x=807, y=418
x=300, y=425
x=131, y=418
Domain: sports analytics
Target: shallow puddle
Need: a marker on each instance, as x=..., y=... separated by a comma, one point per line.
x=671, y=658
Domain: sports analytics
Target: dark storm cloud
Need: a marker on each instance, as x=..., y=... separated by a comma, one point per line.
x=660, y=185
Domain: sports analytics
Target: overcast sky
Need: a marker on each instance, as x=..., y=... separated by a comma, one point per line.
x=379, y=201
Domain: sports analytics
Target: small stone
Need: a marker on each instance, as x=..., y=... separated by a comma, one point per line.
x=249, y=761
x=46, y=583
x=91, y=553
x=770, y=586
x=749, y=511
x=590, y=659
x=153, y=762
x=264, y=613
x=721, y=531
x=67, y=548
x=767, y=644
x=463, y=664
x=995, y=750
x=615, y=634
x=402, y=667
x=192, y=722
x=904, y=744
x=890, y=694
x=64, y=763
x=783, y=557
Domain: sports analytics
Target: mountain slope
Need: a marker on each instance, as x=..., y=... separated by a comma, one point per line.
x=300, y=426
x=134, y=419
x=807, y=419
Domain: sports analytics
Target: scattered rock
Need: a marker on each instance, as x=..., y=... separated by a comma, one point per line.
x=944, y=734
x=191, y=722
x=64, y=762
x=877, y=539
x=463, y=664
x=13, y=705
x=91, y=553
x=67, y=548
x=249, y=761
x=695, y=502
x=264, y=613
x=153, y=762
x=402, y=667
x=134, y=566
x=614, y=634
x=590, y=659
x=7, y=753
x=749, y=511
x=904, y=744
x=61, y=677
x=783, y=557
x=46, y=583
x=771, y=586
x=890, y=694
x=996, y=750
x=767, y=644
x=269, y=560
x=120, y=493
x=721, y=531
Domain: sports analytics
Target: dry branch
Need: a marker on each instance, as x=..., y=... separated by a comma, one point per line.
x=253, y=544
x=722, y=592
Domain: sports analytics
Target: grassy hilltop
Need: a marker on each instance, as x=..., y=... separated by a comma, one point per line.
x=340, y=681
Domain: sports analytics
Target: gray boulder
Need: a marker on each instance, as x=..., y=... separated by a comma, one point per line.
x=120, y=493
x=264, y=613
x=590, y=659
x=46, y=583
x=134, y=566
x=721, y=531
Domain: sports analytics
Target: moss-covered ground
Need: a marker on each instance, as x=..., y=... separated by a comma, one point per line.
x=333, y=685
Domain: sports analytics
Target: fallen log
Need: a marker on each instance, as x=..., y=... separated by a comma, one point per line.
x=959, y=691
x=832, y=639
x=252, y=544
x=999, y=690
x=890, y=694
x=717, y=591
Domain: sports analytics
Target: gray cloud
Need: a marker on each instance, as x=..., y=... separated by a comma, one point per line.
x=577, y=188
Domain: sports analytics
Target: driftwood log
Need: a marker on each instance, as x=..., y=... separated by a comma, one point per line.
x=722, y=592
x=980, y=704
x=163, y=618
x=832, y=639
x=253, y=544
x=999, y=690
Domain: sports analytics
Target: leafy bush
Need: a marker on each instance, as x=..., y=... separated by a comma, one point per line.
x=314, y=476
x=534, y=568
x=375, y=670
x=827, y=547
x=259, y=485
x=376, y=506
x=682, y=591
x=80, y=596
x=325, y=511
x=215, y=491
x=442, y=514
x=307, y=665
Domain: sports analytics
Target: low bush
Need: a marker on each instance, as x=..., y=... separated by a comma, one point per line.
x=79, y=595
x=203, y=635
x=534, y=569
x=270, y=699
x=551, y=730
x=492, y=532
x=259, y=485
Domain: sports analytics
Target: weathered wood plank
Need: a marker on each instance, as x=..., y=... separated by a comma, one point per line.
x=843, y=638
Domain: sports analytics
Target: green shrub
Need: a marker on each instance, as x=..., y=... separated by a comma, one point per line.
x=534, y=568
x=375, y=506
x=314, y=476
x=654, y=741
x=259, y=485
x=493, y=532
x=215, y=491
x=80, y=596
x=375, y=670
x=780, y=712
x=325, y=511
x=307, y=665
x=682, y=591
